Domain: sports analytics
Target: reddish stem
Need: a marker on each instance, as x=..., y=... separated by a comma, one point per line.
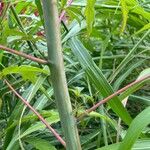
x=37, y=114
x=38, y=60
x=111, y=96
x=69, y=2
x=1, y=7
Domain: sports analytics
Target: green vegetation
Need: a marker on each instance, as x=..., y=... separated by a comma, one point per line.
x=74, y=74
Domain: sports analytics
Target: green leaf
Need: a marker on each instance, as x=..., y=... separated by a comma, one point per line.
x=125, y=11
x=29, y=117
x=40, y=144
x=29, y=93
x=39, y=6
x=98, y=79
x=27, y=72
x=142, y=99
x=73, y=15
x=146, y=27
x=143, y=144
x=42, y=100
x=74, y=29
x=104, y=117
x=63, y=3
x=110, y=147
x=126, y=74
x=87, y=138
x=90, y=14
x=136, y=127
x=145, y=72
x=129, y=57
x=0, y=104
x=54, y=118
x=135, y=87
x=134, y=7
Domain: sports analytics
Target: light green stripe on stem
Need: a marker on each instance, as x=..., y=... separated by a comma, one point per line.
x=52, y=29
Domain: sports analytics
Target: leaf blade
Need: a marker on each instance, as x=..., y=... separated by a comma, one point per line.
x=98, y=78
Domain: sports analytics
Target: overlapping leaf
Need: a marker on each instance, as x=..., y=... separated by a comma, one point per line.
x=27, y=72
x=98, y=79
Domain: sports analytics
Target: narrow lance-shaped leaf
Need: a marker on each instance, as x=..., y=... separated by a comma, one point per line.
x=146, y=27
x=135, y=87
x=27, y=72
x=142, y=144
x=28, y=94
x=40, y=144
x=129, y=57
x=39, y=6
x=90, y=14
x=136, y=127
x=98, y=78
x=124, y=9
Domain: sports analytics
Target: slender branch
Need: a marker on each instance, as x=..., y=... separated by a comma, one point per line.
x=69, y=2
x=38, y=60
x=36, y=113
x=111, y=96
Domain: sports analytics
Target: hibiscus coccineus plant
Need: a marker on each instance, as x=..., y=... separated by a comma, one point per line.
x=74, y=75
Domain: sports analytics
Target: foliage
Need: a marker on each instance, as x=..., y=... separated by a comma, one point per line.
x=105, y=47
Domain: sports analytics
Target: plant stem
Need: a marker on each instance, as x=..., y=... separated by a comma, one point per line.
x=111, y=96
x=38, y=60
x=62, y=97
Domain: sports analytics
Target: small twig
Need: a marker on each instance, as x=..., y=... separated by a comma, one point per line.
x=38, y=60
x=69, y=2
x=37, y=114
x=110, y=97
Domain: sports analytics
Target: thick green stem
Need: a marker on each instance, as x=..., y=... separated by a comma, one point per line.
x=58, y=74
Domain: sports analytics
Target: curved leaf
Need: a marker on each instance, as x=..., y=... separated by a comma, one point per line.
x=146, y=27
x=126, y=74
x=143, y=144
x=54, y=118
x=125, y=11
x=90, y=14
x=135, y=87
x=98, y=79
x=136, y=127
x=27, y=72
x=40, y=144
